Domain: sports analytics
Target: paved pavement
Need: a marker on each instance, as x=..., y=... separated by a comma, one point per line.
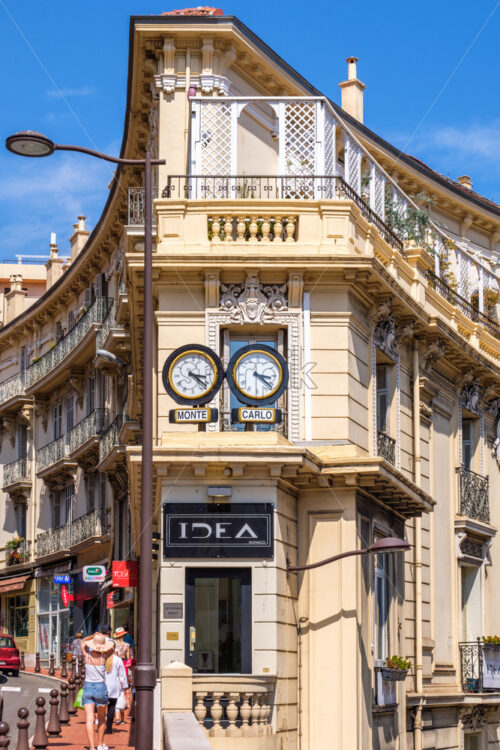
x=22, y=691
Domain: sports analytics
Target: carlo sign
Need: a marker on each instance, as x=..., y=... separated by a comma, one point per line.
x=218, y=530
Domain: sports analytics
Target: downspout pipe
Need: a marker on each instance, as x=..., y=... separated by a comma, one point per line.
x=417, y=723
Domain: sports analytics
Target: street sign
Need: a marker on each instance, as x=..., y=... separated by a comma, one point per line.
x=62, y=579
x=189, y=415
x=64, y=596
x=94, y=573
x=125, y=573
x=256, y=414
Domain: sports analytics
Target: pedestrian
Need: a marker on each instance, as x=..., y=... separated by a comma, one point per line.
x=129, y=639
x=117, y=684
x=106, y=630
x=97, y=653
x=123, y=650
x=76, y=647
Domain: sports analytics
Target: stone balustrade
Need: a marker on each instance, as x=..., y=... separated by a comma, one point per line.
x=252, y=228
x=232, y=713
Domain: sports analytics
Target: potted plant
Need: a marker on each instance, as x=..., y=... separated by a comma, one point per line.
x=14, y=556
x=396, y=668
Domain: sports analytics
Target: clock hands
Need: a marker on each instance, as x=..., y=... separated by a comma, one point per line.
x=199, y=378
x=263, y=379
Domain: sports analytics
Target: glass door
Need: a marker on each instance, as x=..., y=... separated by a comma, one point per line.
x=218, y=620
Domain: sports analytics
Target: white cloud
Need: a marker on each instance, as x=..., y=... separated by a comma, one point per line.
x=61, y=93
x=478, y=141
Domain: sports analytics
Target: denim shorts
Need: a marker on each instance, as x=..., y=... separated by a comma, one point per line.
x=95, y=692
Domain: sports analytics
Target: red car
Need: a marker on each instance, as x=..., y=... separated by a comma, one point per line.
x=9, y=655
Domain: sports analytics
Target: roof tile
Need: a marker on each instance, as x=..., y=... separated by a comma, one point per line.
x=199, y=11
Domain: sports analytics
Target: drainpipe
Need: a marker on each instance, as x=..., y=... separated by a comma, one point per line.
x=187, y=123
x=417, y=723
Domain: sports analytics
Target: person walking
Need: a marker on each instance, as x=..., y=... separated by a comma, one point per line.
x=117, y=684
x=76, y=647
x=123, y=650
x=97, y=653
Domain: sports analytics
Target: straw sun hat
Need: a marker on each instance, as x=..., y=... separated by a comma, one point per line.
x=100, y=643
x=119, y=633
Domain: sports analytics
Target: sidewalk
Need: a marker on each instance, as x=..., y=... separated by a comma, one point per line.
x=74, y=736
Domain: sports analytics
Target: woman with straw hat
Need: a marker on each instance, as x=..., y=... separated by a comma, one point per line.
x=98, y=658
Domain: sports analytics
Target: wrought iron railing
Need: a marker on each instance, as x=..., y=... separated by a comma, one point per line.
x=90, y=426
x=110, y=437
x=480, y=666
x=474, y=495
x=286, y=187
x=386, y=447
x=52, y=452
x=466, y=307
x=13, y=386
x=93, y=524
x=105, y=327
x=136, y=206
x=19, y=554
x=95, y=314
x=17, y=471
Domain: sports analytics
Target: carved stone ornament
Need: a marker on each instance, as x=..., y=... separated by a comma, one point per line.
x=77, y=383
x=25, y=416
x=253, y=302
x=42, y=411
x=8, y=427
x=470, y=397
x=434, y=351
x=495, y=450
x=384, y=329
x=406, y=331
x=474, y=717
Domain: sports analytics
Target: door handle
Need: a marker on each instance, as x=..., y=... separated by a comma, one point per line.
x=192, y=638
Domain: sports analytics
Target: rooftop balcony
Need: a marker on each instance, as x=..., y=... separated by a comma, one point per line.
x=70, y=350
x=474, y=495
x=92, y=527
x=17, y=479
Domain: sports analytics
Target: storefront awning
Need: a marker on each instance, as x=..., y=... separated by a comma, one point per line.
x=13, y=584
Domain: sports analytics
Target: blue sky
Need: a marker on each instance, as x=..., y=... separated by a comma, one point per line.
x=431, y=70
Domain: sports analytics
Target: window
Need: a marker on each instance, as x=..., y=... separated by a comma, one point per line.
x=59, y=332
x=57, y=421
x=23, y=360
x=22, y=441
x=382, y=397
x=91, y=487
x=473, y=741
x=90, y=394
x=62, y=506
x=467, y=443
x=471, y=602
x=21, y=519
x=17, y=616
x=382, y=606
x=70, y=413
x=71, y=320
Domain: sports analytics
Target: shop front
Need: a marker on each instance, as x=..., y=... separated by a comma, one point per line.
x=18, y=610
x=54, y=610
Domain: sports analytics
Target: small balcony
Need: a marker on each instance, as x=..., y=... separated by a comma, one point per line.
x=110, y=438
x=386, y=447
x=17, y=552
x=17, y=477
x=480, y=666
x=136, y=206
x=90, y=528
x=53, y=461
x=69, y=347
x=474, y=495
x=83, y=439
x=12, y=392
x=112, y=335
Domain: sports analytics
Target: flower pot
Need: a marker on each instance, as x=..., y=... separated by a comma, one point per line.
x=394, y=675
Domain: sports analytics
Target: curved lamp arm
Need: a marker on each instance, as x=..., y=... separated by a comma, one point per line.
x=386, y=544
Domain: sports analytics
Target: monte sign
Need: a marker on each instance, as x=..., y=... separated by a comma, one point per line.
x=218, y=530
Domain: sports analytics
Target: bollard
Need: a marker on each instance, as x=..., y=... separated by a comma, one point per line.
x=40, y=740
x=22, y=729
x=71, y=697
x=53, y=727
x=63, y=706
x=81, y=667
x=64, y=670
x=37, y=661
x=4, y=730
x=73, y=668
x=51, y=664
x=21, y=661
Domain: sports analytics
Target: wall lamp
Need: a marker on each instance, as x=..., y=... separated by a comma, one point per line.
x=386, y=544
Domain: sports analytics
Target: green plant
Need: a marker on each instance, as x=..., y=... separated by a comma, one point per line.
x=52, y=344
x=493, y=639
x=397, y=662
x=34, y=359
x=14, y=543
x=412, y=222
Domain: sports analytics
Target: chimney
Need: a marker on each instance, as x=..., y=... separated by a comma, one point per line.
x=465, y=181
x=14, y=300
x=79, y=237
x=352, y=91
x=54, y=264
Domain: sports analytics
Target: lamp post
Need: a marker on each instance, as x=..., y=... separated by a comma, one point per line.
x=30, y=143
x=386, y=544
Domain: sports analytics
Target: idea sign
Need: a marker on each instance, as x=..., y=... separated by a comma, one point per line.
x=94, y=573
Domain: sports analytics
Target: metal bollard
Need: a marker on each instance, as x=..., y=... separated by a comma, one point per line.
x=51, y=664
x=22, y=729
x=63, y=705
x=53, y=727
x=71, y=697
x=4, y=730
x=81, y=667
x=40, y=740
x=64, y=669
x=21, y=661
x=37, y=661
x=73, y=668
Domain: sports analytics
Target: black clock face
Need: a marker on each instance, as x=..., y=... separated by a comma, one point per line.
x=257, y=375
x=192, y=374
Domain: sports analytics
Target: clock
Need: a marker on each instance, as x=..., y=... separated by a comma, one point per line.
x=257, y=375
x=192, y=374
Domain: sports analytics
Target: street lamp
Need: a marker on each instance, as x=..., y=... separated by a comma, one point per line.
x=30, y=143
x=385, y=544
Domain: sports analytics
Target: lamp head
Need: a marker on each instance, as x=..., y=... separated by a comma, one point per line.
x=30, y=143
x=389, y=544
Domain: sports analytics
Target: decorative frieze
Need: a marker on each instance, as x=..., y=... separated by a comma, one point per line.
x=253, y=302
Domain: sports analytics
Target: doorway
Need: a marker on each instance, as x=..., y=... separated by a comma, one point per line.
x=218, y=620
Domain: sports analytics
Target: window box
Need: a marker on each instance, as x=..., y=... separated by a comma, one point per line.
x=394, y=675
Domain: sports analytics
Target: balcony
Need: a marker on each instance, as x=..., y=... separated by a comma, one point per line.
x=83, y=439
x=386, y=447
x=91, y=527
x=54, y=463
x=12, y=392
x=110, y=438
x=68, y=348
x=17, y=477
x=480, y=666
x=241, y=704
x=136, y=206
x=18, y=554
x=474, y=495
x=111, y=335
x=465, y=306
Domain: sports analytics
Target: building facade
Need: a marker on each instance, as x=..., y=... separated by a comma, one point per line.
x=284, y=224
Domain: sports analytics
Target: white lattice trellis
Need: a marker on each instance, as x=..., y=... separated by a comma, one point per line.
x=216, y=138
x=377, y=191
x=463, y=262
x=300, y=137
x=330, y=156
x=353, y=164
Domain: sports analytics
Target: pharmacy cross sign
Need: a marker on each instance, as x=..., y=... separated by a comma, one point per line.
x=218, y=530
